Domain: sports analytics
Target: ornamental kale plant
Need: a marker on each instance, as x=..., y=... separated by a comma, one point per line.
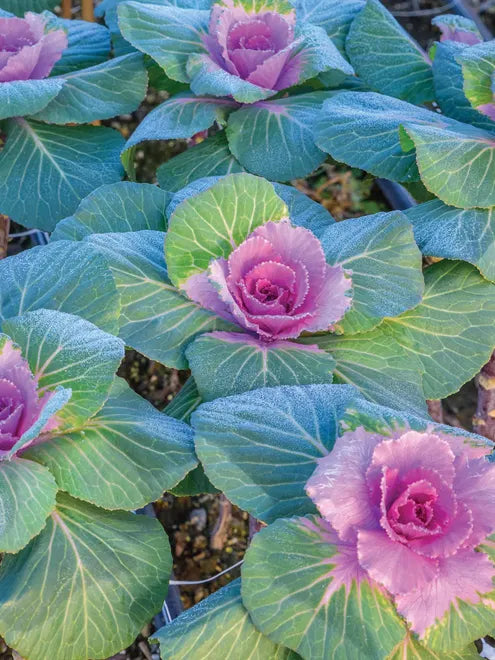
x=399, y=561
x=55, y=72
x=79, y=451
x=258, y=69
x=394, y=132
x=243, y=301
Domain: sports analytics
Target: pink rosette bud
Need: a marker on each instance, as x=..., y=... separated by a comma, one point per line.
x=276, y=284
x=257, y=47
x=20, y=401
x=415, y=507
x=27, y=51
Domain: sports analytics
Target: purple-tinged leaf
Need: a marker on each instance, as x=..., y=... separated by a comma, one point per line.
x=457, y=28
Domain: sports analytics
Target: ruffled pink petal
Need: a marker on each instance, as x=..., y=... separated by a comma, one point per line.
x=281, y=29
x=36, y=23
x=296, y=244
x=331, y=302
x=254, y=250
x=20, y=66
x=247, y=61
x=279, y=327
x=53, y=45
x=268, y=72
x=487, y=109
x=200, y=289
x=15, y=33
x=338, y=485
x=251, y=305
x=393, y=564
x=292, y=71
x=465, y=576
x=475, y=487
x=413, y=450
x=278, y=273
x=450, y=540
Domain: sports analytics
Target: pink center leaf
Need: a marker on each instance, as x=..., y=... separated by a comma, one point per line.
x=20, y=403
x=27, y=50
x=416, y=506
x=276, y=284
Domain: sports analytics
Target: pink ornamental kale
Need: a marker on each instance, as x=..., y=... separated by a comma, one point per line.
x=27, y=51
x=414, y=508
x=20, y=402
x=257, y=47
x=276, y=284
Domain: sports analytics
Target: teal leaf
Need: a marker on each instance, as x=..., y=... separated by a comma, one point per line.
x=168, y=34
x=209, y=158
x=181, y=117
x=63, y=349
x=456, y=162
x=194, y=483
x=449, y=92
x=361, y=129
x=275, y=138
x=89, y=44
x=450, y=334
x=452, y=233
x=410, y=649
x=378, y=366
x=57, y=165
x=225, y=363
x=156, y=319
x=287, y=588
x=117, y=207
x=261, y=447
x=126, y=457
x=334, y=16
x=20, y=7
x=387, y=58
x=185, y=402
x=91, y=580
x=478, y=68
x=219, y=626
x=25, y=97
x=50, y=277
x=27, y=494
x=114, y=87
x=385, y=263
x=208, y=226
x=319, y=52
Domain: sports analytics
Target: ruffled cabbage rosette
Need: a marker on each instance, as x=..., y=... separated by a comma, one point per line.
x=380, y=535
x=55, y=72
x=257, y=284
x=236, y=55
x=79, y=450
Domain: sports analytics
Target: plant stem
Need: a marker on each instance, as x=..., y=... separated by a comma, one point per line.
x=4, y=234
x=484, y=420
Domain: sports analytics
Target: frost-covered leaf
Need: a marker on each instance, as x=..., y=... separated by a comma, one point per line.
x=126, y=457
x=88, y=44
x=334, y=16
x=65, y=350
x=117, y=207
x=275, y=138
x=91, y=580
x=478, y=70
x=450, y=334
x=387, y=58
x=27, y=496
x=449, y=91
x=168, y=34
x=456, y=162
x=378, y=366
x=156, y=319
x=218, y=626
x=208, y=225
x=181, y=116
x=261, y=447
x=20, y=7
x=453, y=233
x=114, y=87
x=225, y=363
x=46, y=170
x=385, y=263
x=25, y=97
x=302, y=592
x=50, y=277
x=212, y=157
